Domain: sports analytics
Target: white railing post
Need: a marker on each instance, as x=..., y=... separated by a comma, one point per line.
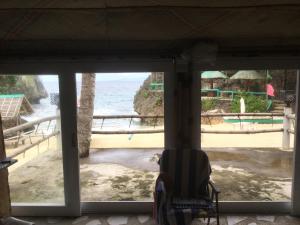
x=286, y=128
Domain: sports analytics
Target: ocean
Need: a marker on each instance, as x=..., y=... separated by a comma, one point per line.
x=114, y=95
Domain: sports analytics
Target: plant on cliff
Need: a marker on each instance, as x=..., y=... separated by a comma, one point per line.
x=146, y=94
x=7, y=83
x=149, y=102
x=158, y=101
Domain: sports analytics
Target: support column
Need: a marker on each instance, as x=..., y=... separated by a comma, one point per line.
x=182, y=109
x=296, y=166
x=195, y=108
x=170, y=124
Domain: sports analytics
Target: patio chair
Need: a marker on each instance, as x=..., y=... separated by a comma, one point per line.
x=183, y=190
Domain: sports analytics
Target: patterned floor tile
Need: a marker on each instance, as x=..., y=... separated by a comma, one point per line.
x=80, y=220
x=117, y=220
x=266, y=218
x=233, y=220
x=143, y=218
x=147, y=220
x=94, y=222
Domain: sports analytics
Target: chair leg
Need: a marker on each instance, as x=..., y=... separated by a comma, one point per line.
x=217, y=209
x=208, y=220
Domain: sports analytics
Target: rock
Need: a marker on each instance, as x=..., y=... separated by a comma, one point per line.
x=29, y=85
x=32, y=87
x=150, y=103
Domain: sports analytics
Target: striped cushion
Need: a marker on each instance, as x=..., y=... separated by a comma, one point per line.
x=189, y=170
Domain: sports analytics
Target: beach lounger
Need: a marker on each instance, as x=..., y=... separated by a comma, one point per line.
x=183, y=190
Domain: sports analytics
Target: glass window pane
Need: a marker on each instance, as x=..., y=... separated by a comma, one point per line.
x=29, y=106
x=122, y=164
x=249, y=159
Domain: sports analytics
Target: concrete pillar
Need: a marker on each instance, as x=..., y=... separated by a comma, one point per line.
x=170, y=105
x=182, y=109
x=286, y=127
x=296, y=166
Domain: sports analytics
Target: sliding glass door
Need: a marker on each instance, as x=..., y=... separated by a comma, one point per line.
x=121, y=116
x=52, y=169
x=32, y=135
x=36, y=117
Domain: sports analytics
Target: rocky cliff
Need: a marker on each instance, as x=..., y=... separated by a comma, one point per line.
x=30, y=85
x=148, y=102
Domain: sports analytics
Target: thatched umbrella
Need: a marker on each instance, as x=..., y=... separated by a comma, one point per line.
x=213, y=75
x=248, y=75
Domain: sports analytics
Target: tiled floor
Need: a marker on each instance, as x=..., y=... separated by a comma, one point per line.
x=147, y=220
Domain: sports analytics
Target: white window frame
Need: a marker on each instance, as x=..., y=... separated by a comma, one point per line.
x=67, y=68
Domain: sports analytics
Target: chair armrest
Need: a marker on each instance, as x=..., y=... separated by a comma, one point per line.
x=213, y=186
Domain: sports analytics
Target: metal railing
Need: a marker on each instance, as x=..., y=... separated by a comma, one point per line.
x=34, y=133
x=20, y=133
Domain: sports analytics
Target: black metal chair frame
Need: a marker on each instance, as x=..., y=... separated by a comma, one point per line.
x=164, y=198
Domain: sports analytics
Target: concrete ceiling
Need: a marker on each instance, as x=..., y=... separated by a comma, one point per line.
x=66, y=27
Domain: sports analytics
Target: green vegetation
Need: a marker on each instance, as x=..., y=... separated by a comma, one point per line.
x=253, y=103
x=158, y=101
x=7, y=82
x=146, y=94
x=208, y=104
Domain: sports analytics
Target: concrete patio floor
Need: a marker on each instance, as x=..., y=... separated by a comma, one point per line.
x=147, y=220
x=252, y=174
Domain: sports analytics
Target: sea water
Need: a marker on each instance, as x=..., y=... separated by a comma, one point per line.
x=114, y=95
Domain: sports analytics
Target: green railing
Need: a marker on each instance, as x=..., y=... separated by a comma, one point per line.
x=232, y=93
x=219, y=93
x=12, y=95
x=216, y=91
x=157, y=86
